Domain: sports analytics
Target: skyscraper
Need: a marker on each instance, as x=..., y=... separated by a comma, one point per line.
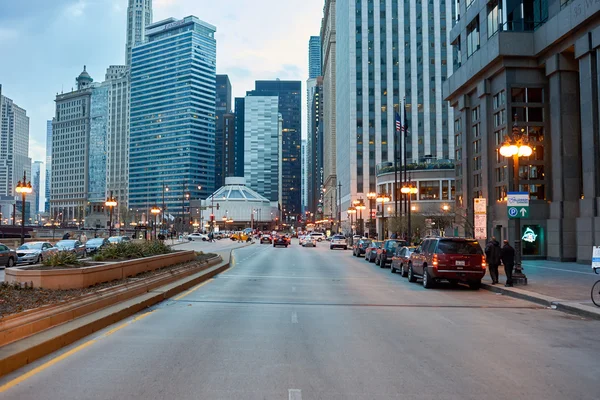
x=386, y=51
x=304, y=176
x=172, y=114
x=290, y=108
x=228, y=147
x=48, y=165
x=314, y=57
x=263, y=145
x=314, y=157
x=36, y=173
x=139, y=16
x=223, y=106
x=239, y=136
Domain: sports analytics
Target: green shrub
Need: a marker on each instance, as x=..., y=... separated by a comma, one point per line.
x=62, y=259
x=131, y=250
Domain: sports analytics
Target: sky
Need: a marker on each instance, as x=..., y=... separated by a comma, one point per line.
x=44, y=45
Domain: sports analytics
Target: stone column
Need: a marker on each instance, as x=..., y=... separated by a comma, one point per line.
x=565, y=141
x=588, y=223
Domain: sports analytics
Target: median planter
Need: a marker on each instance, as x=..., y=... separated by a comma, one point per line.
x=81, y=277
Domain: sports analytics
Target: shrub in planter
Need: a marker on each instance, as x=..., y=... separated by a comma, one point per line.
x=130, y=250
x=61, y=259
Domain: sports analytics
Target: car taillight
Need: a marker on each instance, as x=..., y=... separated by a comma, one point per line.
x=483, y=262
x=435, y=261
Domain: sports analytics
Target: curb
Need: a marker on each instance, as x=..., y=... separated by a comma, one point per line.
x=581, y=310
x=20, y=353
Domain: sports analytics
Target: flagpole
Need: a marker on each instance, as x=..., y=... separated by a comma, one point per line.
x=398, y=122
x=405, y=134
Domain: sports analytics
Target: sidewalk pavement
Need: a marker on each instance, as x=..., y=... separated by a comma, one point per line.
x=564, y=286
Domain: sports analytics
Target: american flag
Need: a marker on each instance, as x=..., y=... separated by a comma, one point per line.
x=399, y=126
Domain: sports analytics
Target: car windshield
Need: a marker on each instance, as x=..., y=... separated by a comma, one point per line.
x=114, y=239
x=470, y=247
x=339, y=237
x=30, y=246
x=95, y=241
x=66, y=244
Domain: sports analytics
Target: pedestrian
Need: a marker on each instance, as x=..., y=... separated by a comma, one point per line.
x=492, y=254
x=394, y=236
x=507, y=255
x=83, y=238
x=66, y=236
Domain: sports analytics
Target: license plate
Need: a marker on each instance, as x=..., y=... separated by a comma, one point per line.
x=462, y=263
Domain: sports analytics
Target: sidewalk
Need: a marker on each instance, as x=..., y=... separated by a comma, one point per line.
x=564, y=286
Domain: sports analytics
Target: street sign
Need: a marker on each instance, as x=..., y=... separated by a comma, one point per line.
x=517, y=205
x=596, y=257
x=480, y=220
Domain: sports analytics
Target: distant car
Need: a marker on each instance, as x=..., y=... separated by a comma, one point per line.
x=371, y=250
x=320, y=236
x=453, y=259
x=385, y=253
x=280, y=241
x=8, y=257
x=266, y=239
x=309, y=242
x=119, y=239
x=95, y=245
x=401, y=258
x=72, y=246
x=197, y=236
x=338, y=241
x=240, y=236
x=288, y=237
x=35, y=252
x=359, y=247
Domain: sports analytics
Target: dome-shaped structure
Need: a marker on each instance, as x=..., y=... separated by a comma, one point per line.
x=84, y=79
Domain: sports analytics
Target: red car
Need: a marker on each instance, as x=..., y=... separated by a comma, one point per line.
x=387, y=250
x=401, y=258
x=371, y=251
x=452, y=259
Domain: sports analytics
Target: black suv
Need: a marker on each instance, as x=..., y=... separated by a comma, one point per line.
x=386, y=252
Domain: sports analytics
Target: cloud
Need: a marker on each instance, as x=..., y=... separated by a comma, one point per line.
x=76, y=9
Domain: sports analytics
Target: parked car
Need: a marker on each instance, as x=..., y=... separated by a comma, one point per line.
x=371, y=250
x=453, y=259
x=72, y=246
x=309, y=242
x=360, y=246
x=401, y=258
x=197, y=236
x=338, y=241
x=95, y=245
x=320, y=236
x=8, y=257
x=280, y=241
x=385, y=253
x=35, y=252
x=119, y=239
x=266, y=239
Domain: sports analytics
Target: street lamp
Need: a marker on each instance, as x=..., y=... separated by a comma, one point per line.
x=515, y=147
x=360, y=206
x=409, y=190
x=371, y=196
x=111, y=202
x=383, y=198
x=155, y=210
x=351, y=211
x=24, y=189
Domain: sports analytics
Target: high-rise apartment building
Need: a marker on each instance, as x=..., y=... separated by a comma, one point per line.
x=290, y=108
x=36, y=176
x=172, y=114
x=48, y=165
x=328, y=52
x=14, y=152
x=314, y=57
x=263, y=145
x=388, y=50
x=139, y=16
x=239, y=121
x=223, y=106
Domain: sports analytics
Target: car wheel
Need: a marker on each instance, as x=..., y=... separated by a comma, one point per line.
x=403, y=272
x=475, y=285
x=411, y=275
x=427, y=279
x=10, y=263
x=345, y=247
x=377, y=260
x=371, y=259
x=392, y=269
x=39, y=260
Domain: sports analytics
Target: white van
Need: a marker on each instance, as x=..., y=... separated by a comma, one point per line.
x=318, y=235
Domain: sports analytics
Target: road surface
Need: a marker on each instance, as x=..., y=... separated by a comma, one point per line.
x=295, y=323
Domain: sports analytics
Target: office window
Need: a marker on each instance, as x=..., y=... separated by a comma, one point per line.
x=473, y=37
x=429, y=190
x=493, y=17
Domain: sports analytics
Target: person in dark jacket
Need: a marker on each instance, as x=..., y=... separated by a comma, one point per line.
x=66, y=236
x=507, y=255
x=492, y=254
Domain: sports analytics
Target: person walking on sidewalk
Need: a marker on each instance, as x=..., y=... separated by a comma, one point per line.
x=508, y=259
x=492, y=254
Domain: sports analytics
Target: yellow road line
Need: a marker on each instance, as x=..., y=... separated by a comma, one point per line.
x=181, y=296
x=69, y=353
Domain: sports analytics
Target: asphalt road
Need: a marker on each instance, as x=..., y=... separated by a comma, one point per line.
x=310, y=323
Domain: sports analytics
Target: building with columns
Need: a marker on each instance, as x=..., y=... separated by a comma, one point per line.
x=532, y=66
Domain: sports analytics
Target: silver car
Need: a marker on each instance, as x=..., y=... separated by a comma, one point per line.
x=8, y=257
x=35, y=252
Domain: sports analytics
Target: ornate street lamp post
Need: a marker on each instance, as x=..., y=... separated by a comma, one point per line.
x=371, y=196
x=515, y=147
x=360, y=206
x=111, y=203
x=409, y=190
x=24, y=188
x=155, y=210
x=383, y=198
x=351, y=211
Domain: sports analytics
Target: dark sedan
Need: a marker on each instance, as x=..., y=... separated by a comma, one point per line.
x=358, y=249
x=280, y=241
x=94, y=245
x=72, y=246
x=371, y=250
x=8, y=257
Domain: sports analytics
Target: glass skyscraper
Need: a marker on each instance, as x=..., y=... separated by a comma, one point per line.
x=172, y=138
x=98, y=144
x=314, y=57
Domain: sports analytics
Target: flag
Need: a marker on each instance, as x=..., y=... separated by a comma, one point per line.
x=171, y=218
x=398, y=123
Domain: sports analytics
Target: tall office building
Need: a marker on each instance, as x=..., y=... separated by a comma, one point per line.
x=117, y=143
x=48, y=165
x=314, y=157
x=228, y=146
x=14, y=153
x=172, y=114
x=328, y=51
x=239, y=136
x=290, y=108
x=223, y=106
x=314, y=57
x=36, y=176
x=387, y=50
x=263, y=145
x=304, y=176
x=139, y=16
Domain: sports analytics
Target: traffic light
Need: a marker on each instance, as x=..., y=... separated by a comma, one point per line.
x=212, y=217
x=217, y=206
